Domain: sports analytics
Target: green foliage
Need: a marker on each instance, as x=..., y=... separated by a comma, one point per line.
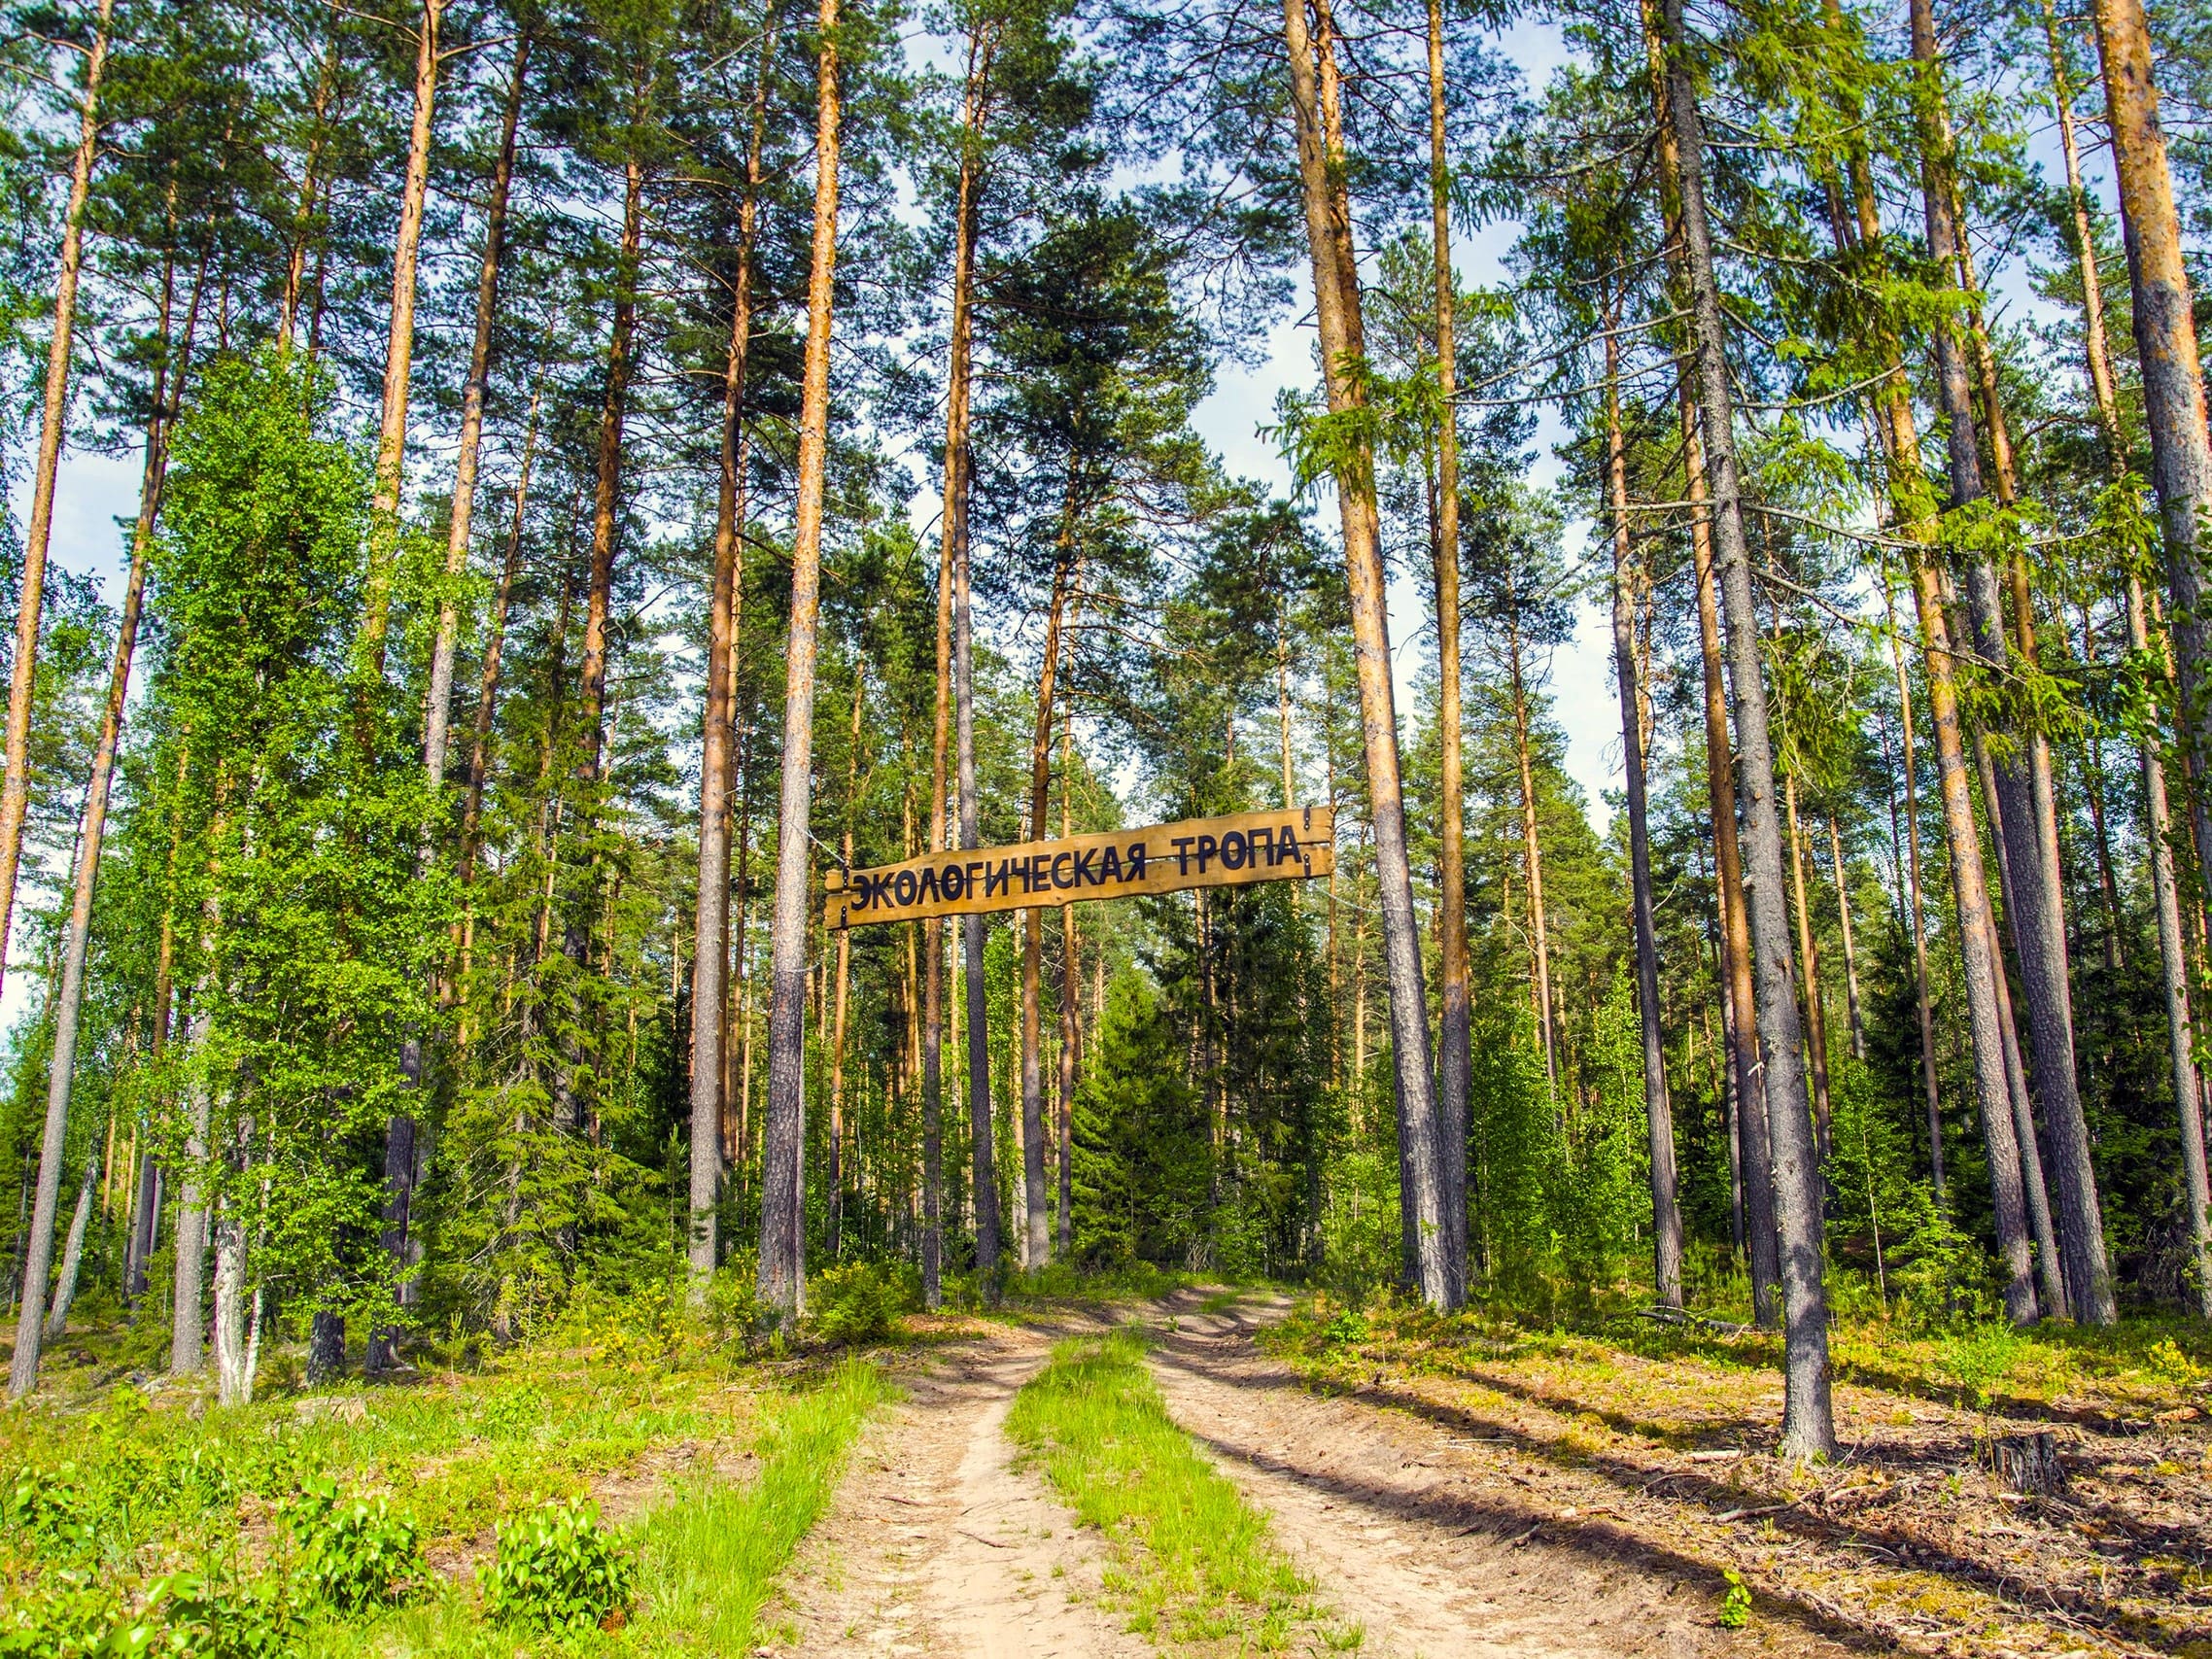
x=353, y=1554
x=557, y=1569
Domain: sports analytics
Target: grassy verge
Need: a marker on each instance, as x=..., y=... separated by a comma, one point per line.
x=1197, y=1565
x=710, y=1560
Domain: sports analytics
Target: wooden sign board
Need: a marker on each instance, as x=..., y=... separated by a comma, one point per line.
x=1163, y=858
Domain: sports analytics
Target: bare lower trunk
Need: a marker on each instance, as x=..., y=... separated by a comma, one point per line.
x=72, y=1258
x=1071, y=1025
x=1808, y=1414
x=186, y=1326
x=1658, y=1109
x=1035, y=1247
x=15, y=792
x=233, y=1376
x=1531, y=859
x=783, y=1225
x=835, y=1172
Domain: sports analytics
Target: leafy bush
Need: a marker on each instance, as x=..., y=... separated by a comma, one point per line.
x=557, y=1569
x=67, y=1616
x=858, y=1303
x=353, y=1555
x=1735, y=1600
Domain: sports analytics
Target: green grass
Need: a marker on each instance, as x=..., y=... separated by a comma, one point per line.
x=1195, y=1563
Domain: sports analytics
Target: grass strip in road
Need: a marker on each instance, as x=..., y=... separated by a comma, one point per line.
x=1197, y=1564
x=708, y=1560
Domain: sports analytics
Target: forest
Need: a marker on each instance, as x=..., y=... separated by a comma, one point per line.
x=600, y=467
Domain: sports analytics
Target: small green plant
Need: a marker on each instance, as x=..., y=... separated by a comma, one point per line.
x=68, y=1617
x=353, y=1555
x=557, y=1567
x=1735, y=1600
x=1347, y=1327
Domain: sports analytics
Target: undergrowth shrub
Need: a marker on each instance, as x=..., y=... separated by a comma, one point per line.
x=356, y=1554
x=559, y=1568
x=858, y=1302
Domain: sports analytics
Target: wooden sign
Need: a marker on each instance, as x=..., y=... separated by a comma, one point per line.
x=1163, y=858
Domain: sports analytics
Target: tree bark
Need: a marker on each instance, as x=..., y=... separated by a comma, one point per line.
x=835, y=1172
x=1035, y=1245
x=399, y=352
x=72, y=1258
x=186, y=1324
x=1455, y=1056
x=441, y=709
x=1919, y=913
x=1739, y=1012
x=1337, y=306
x=233, y=1378
x=1071, y=988
x=15, y=791
x=1658, y=1108
x=783, y=1225
x=1532, y=848
x=1808, y=1414
x=2180, y=1030
x=1851, y=953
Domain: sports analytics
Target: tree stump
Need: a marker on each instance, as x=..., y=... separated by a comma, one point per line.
x=2029, y=1463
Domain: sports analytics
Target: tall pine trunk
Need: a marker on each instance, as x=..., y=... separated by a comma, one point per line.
x=958, y=478
x=2036, y=917
x=75, y=945
x=399, y=348
x=1658, y=1109
x=1455, y=1056
x=1343, y=350
x=2181, y=456
x=1807, y=1413
x=782, y=1210
x=15, y=791
x=1921, y=996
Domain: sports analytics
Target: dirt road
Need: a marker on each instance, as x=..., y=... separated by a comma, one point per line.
x=938, y=1545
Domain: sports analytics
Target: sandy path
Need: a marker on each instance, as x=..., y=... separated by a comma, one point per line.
x=1410, y=1534
x=938, y=1545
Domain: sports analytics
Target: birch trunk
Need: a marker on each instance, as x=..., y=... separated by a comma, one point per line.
x=186, y=1326
x=15, y=791
x=1658, y=1109
x=782, y=1224
x=1337, y=306
x=1808, y=1414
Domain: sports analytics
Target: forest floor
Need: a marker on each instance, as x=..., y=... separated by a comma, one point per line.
x=1378, y=1482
